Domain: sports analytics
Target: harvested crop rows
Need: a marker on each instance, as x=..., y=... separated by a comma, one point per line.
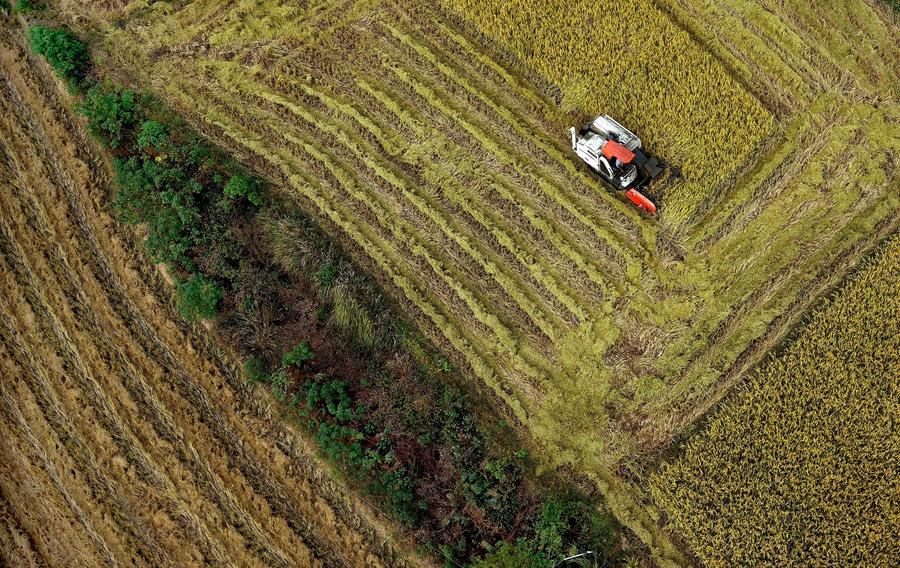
x=506, y=257
x=433, y=146
x=128, y=438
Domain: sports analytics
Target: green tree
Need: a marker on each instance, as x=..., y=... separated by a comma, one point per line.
x=198, y=298
x=63, y=51
x=163, y=198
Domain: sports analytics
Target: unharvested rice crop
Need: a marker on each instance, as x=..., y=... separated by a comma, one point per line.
x=787, y=53
x=629, y=60
x=799, y=467
x=127, y=437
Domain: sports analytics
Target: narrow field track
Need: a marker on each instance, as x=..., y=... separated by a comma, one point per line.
x=127, y=437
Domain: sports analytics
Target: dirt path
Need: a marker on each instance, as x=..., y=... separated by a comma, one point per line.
x=126, y=436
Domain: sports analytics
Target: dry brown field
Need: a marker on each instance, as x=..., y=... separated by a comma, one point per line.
x=127, y=437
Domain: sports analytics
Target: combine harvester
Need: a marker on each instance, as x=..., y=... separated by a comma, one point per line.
x=614, y=153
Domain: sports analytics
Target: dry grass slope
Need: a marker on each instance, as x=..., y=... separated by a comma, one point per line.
x=126, y=437
x=799, y=466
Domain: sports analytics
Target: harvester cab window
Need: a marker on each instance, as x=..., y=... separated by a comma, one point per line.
x=604, y=165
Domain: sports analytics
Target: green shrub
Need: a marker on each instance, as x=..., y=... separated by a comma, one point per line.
x=63, y=51
x=165, y=199
x=255, y=369
x=112, y=114
x=521, y=554
x=198, y=298
x=243, y=186
x=153, y=135
x=341, y=444
x=299, y=355
x=280, y=386
x=4, y=5
x=399, y=489
x=25, y=6
x=563, y=527
x=333, y=396
x=325, y=275
x=565, y=524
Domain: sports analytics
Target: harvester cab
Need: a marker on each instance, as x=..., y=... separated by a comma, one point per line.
x=614, y=153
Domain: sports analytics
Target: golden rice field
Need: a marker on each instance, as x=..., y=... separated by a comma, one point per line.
x=430, y=141
x=798, y=468
x=127, y=437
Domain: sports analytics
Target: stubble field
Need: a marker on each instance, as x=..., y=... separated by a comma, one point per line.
x=127, y=437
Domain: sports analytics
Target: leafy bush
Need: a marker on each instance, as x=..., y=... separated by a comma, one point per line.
x=198, y=298
x=280, y=385
x=299, y=355
x=243, y=186
x=333, y=396
x=566, y=523
x=521, y=554
x=153, y=135
x=25, y=6
x=563, y=527
x=112, y=114
x=399, y=488
x=255, y=369
x=325, y=275
x=165, y=199
x=63, y=51
x=341, y=443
